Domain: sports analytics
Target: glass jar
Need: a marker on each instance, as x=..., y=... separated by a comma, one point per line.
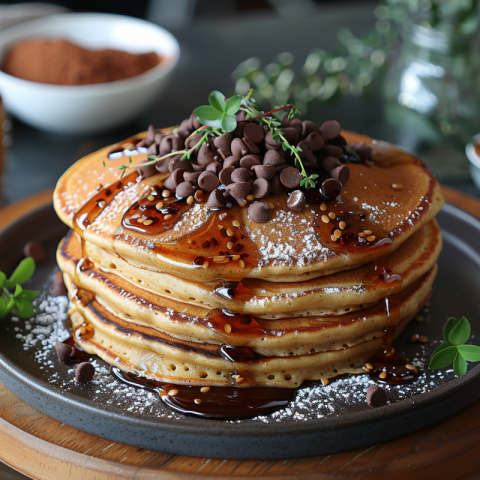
x=432, y=98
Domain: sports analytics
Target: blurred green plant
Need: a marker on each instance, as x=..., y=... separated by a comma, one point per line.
x=354, y=64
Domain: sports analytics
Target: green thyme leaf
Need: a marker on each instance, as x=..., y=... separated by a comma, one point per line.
x=443, y=358
x=441, y=347
x=460, y=332
x=217, y=101
x=232, y=105
x=471, y=353
x=152, y=157
x=22, y=273
x=459, y=365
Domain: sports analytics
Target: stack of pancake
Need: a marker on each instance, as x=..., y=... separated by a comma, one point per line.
x=216, y=299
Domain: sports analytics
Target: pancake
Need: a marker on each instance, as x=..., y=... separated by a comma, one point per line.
x=291, y=247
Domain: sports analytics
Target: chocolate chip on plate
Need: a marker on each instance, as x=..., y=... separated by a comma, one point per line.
x=64, y=352
x=177, y=162
x=238, y=148
x=376, y=396
x=264, y=171
x=254, y=132
x=205, y=155
x=248, y=161
x=290, y=177
x=162, y=165
x=224, y=141
x=241, y=175
x=216, y=199
x=270, y=141
x=57, y=288
x=225, y=176
x=316, y=141
x=251, y=147
x=84, y=372
x=177, y=176
x=332, y=151
x=297, y=201
x=273, y=157
x=35, y=251
x=208, y=181
x=259, y=212
x=231, y=162
x=185, y=189
x=276, y=186
x=214, y=167
x=297, y=124
x=291, y=134
x=191, y=177
x=260, y=188
x=364, y=151
x=239, y=192
x=341, y=173
x=329, y=163
x=147, y=170
x=330, y=129
x=330, y=187
x=308, y=127
x=339, y=141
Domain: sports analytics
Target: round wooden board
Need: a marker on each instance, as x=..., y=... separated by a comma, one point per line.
x=43, y=448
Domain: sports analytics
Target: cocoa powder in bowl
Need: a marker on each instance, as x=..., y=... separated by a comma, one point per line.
x=60, y=62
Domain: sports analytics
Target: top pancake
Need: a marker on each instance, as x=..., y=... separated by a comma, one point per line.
x=292, y=246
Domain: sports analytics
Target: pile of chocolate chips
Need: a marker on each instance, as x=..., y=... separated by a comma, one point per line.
x=249, y=164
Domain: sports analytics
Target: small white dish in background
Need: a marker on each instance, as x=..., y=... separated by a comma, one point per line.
x=474, y=158
x=95, y=108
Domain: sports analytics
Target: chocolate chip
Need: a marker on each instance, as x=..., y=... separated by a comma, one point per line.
x=162, y=165
x=170, y=143
x=248, y=161
x=195, y=122
x=296, y=123
x=238, y=148
x=216, y=199
x=36, y=251
x=146, y=142
x=223, y=153
x=158, y=138
x=296, y=201
x=193, y=140
x=84, y=372
x=225, y=175
x=364, y=151
x=330, y=129
x=186, y=124
x=251, y=147
x=341, y=173
x=329, y=163
x=276, y=186
x=224, y=141
x=332, y=151
x=185, y=190
x=191, y=177
x=285, y=122
x=281, y=168
x=274, y=147
x=308, y=127
x=316, y=141
x=196, y=167
x=231, y=162
x=254, y=132
x=177, y=162
x=330, y=187
x=64, y=352
x=240, y=175
x=291, y=134
x=338, y=141
x=264, y=171
x=240, y=128
x=259, y=212
x=260, y=188
x=170, y=183
x=152, y=149
x=57, y=288
x=290, y=177
x=376, y=396
x=151, y=132
x=177, y=176
x=208, y=181
x=239, y=192
x=270, y=141
x=272, y=157
x=308, y=158
x=214, y=167
x=205, y=155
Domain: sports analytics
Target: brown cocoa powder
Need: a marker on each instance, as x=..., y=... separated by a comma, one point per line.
x=59, y=62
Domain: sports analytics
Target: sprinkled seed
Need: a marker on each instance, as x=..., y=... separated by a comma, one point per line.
x=228, y=328
x=324, y=380
x=342, y=225
x=369, y=366
x=414, y=338
x=197, y=401
x=383, y=375
x=190, y=200
x=331, y=215
x=271, y=205
x=408, y=366
x=235, y=376
x=397, y=186
x=423, y=339
x=199, y=195
x=239, y=379
x=371, y=238
x=230, y=232
x=241, y=263
x=337, y=233
x=148, y=222
x=206, y=264
x=333, y=238
x=325, y=219
x=151, y=198
x=219, y=258
x=166, y=193
x=172, y=393
x=230, y=245
x=250, y=198
x=361, y=235
x=323, y=207
x=159, y=205
x=141, y=219
x=205, y=389
x=418, y=318
x=220, y=227
x=367, y=232
x=236, y=257
x=102, y=203
x=168, y=216
x=236, y=223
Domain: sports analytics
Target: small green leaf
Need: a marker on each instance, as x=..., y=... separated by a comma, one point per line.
x=207, y=113
x=285, y=146
x=441, y=347
x=217, y=101
x=233, y=105
x=22, y=273
x=471, y=353
x=152, y=157
x=448, y=328
x=3, y=308
x=104, y=166
x=460, y=332
x=443, y=358
x=229, y=123
x=3, y=277
x=24, y=309
x=459, y=366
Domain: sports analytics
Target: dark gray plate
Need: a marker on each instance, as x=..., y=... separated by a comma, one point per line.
x=321, y=420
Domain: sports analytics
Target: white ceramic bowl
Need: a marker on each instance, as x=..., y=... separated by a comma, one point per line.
x=88, y=108
x=474, y=159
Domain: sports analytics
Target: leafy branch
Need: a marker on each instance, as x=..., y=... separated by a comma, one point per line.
x=20, y=301
x=453, y=348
